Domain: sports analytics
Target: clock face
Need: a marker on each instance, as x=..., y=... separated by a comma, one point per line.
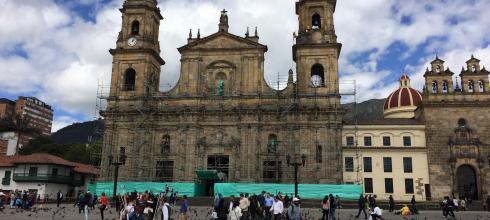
x=316, y=81
x=132, y=41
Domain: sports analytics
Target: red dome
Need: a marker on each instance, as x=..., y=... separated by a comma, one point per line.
x=403, y=97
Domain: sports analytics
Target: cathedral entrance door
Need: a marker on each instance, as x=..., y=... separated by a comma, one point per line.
x=221, y=164
x=466, y=182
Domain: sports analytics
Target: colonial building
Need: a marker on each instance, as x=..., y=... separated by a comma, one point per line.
x=457, y=120
x=222, y=115
x=389, y=155
x=45, y=174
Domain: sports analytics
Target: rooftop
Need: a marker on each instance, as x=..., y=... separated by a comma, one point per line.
x=43, y=158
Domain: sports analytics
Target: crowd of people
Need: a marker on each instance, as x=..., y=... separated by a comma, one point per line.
x=19, y=199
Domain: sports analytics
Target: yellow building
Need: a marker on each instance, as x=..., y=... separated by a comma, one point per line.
x=388, y=156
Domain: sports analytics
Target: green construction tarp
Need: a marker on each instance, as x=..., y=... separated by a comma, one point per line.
x=183, y=188
x=306, y=191
x=207, y=174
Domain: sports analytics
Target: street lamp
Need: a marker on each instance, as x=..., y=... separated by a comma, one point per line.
x=296, y=164
x=121, y=160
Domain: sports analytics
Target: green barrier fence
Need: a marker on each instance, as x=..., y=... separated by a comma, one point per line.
x=183, y=188
x=306, y=191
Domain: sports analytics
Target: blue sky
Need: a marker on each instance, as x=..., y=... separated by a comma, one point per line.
x=57, y=49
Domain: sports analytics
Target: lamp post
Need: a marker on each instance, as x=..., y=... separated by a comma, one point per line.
x=296, y=164
x=121, y=160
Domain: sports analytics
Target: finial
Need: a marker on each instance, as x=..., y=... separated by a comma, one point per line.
x=437, y=56
x=472, y=56
x=223, y=12
x=427, y=69
x=256, y=33
x=190, y=33
x=294, y=35
x=247, y=34
x=199, y=33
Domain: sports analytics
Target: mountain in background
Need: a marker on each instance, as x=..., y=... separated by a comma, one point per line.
x=81, y=133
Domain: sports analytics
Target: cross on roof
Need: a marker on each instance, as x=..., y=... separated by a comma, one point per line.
x=224, y=11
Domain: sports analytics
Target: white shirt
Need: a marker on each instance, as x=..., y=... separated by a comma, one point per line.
x=277, y=207
x=377, y=211
x=165, y=211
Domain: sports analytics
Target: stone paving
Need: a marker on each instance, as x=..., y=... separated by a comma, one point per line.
x=68, y=212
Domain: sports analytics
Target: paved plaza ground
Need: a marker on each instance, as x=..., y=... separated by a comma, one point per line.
x=68, y=212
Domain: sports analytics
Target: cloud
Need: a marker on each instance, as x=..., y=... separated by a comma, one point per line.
x=54, y=52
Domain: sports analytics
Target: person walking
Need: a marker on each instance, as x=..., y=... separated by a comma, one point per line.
x=244, y=205
x=326, y=207
x=488, y=203
x=361, y=205
x=413, y=208
x=222, y=209
x=333, y=207
x=463, y=204
x=391, y=203
x=456, y=204
x=59, y=197
x=236, y=212
x=184, y=208
x=166, y=211
x=277, y=208
x=269, y=201
x=294, y=210
x=103, y=205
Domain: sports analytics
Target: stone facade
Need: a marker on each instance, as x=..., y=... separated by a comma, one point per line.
x=222, y=115
x=457, y=120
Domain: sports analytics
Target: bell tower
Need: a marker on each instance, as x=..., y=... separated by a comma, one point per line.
x=136, y=59
x=316, y=51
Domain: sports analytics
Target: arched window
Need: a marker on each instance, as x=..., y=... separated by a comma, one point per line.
x=473, y=68
x=165, y=145
x=434, y=87
x=129, y=80
x=272, y=144
x=444, y=87
x=316, y=21
x=135, y=28
x=471, y=86
x=481, y=86
x=317, y=76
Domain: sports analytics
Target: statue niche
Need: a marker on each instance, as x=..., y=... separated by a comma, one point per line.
x=220, y=78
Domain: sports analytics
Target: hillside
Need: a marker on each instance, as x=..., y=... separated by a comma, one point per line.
x=79, y=133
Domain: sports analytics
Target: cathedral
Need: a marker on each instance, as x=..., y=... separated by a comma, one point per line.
x=223, y=123
x=222, y=115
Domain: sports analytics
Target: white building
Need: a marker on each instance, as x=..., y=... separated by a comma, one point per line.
x=8, y=143
x=45, y=174
x=388, y=156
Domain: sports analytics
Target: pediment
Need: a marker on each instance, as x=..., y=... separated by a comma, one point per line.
x=222, y=40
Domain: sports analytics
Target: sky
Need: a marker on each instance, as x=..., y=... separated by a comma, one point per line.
x=57, y=50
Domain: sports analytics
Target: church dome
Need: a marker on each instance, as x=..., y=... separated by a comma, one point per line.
x=402, y=102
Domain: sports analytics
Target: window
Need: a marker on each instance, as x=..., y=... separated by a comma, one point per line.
x=6, y=178
x=387, y=165
x=473, y=68
x=409, y=186
x=349, y=164
x=164, y=171
x=407, y=164
x=129, y=80
x=272, y=144
x=32, y=171
x=368, y=164
x=316, y=21
x=349, y=140
x=471, y=86
x=165, y=145
x=434, y=87
x=135, y=28
x=444, y=86
x=407, y=141
x=388, y=185
x=481, y=87
x=272, y=171
x=54, y=172
x=368, y=185
x=438, y=69
x=317, y=76
x=367, y=141
x=318, y=156
x=386, y=141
